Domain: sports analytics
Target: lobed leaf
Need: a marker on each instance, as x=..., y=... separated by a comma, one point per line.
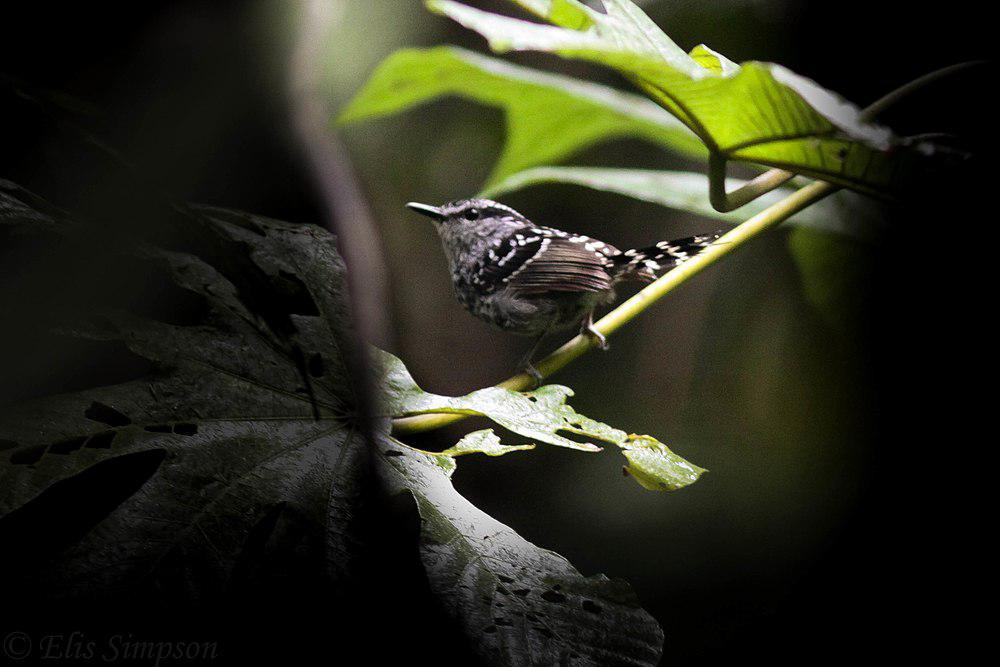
x=482, y=442
x=242, y=424
x=517, y=603
x=478, y=442
x=540, y=415
x=548, y=116
x=243, y=440
x=756, y=112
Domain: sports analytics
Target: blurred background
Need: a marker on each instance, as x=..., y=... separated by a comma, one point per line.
x=820, y=524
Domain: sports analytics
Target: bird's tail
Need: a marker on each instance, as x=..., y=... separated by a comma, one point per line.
x=655, y=260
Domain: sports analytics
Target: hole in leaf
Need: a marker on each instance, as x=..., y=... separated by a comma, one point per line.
x=299, y=300
x=542, y=630
x=158, y=428
x=502, y=621
x=185, y=429
x=581, y=438
x=393, y=452
x=67, y=446
x=101, y=440
x=99, y=412
x=490, y=629
x=593, y=608
x=554, y=597
x=522, y=592
x=316, y=365
x=27, y=455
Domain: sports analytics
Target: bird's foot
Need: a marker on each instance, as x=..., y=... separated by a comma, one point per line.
x=601, y=339
x=535, y=375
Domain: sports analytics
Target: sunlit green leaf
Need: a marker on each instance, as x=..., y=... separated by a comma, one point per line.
x=844, y=213
x=549, y=117
x=713, y=60
x=654, y=466
x=539, y=415
x=478, y=442
x=758, y=112
x=570, y=14
x=482, y=442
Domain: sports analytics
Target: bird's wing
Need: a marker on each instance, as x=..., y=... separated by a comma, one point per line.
x=545, y=260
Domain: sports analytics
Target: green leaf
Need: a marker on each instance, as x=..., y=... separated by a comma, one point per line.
x=243, y=435
x=569, y=14
x=540, y=415
x=227, y=434
x=844, y=213
x=478, y=442
x=758, y=112
x=549, y=117
x=654, y=466
x=482, y=442
x=517, y=603
x=713, y=60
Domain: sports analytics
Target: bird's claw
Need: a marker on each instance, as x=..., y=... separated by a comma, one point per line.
x=535, y=375
x=601, y=339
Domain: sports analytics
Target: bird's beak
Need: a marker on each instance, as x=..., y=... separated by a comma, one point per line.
x=423, y=209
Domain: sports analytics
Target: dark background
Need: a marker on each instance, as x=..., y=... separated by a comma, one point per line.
x=845, y=511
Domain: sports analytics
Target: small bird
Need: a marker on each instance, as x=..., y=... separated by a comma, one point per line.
x=532, y=280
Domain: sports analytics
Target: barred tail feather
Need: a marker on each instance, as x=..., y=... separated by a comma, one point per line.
x=655, y=260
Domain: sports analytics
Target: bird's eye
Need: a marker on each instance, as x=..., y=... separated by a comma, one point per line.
x=471, y=214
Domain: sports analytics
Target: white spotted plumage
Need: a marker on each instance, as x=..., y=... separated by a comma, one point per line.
x=529, y=279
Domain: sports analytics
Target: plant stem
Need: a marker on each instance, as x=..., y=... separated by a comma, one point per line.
x=653, y=292
x=907, y=89
x=723, y=201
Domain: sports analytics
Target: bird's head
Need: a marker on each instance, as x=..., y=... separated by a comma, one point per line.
x=467, y=212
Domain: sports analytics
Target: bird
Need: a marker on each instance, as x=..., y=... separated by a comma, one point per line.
x=532, y=280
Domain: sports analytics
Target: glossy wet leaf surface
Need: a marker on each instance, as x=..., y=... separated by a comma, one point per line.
x=538, y=415
x=518, y=603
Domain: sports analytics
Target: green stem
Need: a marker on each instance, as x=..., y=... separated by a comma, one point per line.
x=891, y=98
x=653, y=292
x=723, y=201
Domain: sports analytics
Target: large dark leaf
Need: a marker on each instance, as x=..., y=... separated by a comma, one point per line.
x=518, y=603
x=244, y=425
x=241, y=444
